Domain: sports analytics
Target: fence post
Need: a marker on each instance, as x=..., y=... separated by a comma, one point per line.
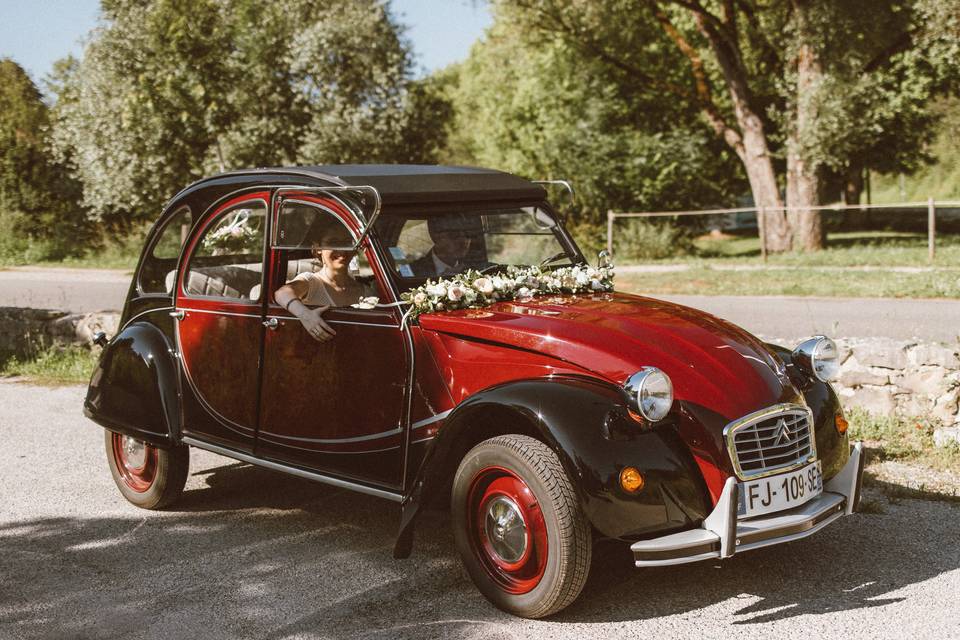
x=762, y=227
x=610, y=216
x=931, y=230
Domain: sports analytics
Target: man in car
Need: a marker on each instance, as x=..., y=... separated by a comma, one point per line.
x=457, y=240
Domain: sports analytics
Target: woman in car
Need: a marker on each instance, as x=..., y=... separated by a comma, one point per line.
x=331, y=286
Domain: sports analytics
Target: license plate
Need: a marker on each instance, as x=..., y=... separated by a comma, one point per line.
x=780, y=492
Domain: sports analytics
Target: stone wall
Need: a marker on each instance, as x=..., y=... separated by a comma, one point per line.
x=909, y=377
x=25, y=331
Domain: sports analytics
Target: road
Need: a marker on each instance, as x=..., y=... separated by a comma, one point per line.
x=250, y=553
x=82, y=290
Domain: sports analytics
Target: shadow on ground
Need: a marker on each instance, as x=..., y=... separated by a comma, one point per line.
x=257, y=554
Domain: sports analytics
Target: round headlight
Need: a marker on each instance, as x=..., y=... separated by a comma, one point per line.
x=818, y=357
x=650, y=393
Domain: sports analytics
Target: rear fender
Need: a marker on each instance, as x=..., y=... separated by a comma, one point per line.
x=134, y=387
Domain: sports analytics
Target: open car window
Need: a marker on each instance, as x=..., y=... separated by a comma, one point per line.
x=304, y=233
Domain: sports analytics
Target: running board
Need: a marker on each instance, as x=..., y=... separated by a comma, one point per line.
x=301, y=473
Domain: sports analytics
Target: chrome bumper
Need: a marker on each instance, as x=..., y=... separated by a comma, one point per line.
x=721, y=535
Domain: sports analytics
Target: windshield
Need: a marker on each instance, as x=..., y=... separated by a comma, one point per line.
x=445, y=244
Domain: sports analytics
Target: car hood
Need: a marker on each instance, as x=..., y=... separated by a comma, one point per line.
x=712, y=363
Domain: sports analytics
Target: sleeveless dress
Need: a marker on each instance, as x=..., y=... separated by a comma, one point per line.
x=317, y=294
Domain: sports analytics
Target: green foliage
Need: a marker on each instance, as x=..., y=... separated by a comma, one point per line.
x=56, y=365
x=641, y=240
x=172, y=90
x=902, y=438
x=535, y=106
x=38, y=212
x=939, y=180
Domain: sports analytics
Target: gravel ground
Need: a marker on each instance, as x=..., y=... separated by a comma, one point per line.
x=251, y=553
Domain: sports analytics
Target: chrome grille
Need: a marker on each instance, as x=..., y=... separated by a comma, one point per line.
x=772, y=440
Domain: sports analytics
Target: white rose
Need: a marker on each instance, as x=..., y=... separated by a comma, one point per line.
x=592, y=273
x=455, y=292
x=420, y=299
x=582, y=279
x=524, y=292
x=437, y=290
x=483, y=285
x=596, y=285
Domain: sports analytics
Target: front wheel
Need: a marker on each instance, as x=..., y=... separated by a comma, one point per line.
x=147, y=476
x=519, y=527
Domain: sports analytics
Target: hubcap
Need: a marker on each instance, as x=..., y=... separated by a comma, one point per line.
x=134, y=452
x=136, y=462
x=506, y=530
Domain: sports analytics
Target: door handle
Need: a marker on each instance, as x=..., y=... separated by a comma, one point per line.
x=271, y=324
x=177, y=315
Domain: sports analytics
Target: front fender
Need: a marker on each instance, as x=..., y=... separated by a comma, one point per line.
x=133, y=389
x=585, y=421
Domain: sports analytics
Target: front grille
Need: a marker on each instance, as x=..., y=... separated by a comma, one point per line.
x=773, y=440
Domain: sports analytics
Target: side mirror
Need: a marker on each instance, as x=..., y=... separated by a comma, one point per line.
x=603, y=260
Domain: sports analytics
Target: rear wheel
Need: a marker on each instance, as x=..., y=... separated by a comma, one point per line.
x=519, y=527
x=147, y=476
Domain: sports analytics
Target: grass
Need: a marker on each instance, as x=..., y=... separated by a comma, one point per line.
x=701, y=279
x=53, y=366
x=844, y=249
x=925, y=471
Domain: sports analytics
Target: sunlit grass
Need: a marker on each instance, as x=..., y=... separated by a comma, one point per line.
x=904, y=439
x=54, y=366
x=701, y=279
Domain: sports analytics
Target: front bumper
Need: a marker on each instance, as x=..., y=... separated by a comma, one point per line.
x=722, y=535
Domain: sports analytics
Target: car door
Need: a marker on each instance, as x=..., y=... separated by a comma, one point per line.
x=220, y=327
x=338, y=407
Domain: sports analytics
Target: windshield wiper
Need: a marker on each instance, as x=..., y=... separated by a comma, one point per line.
x=554, y=258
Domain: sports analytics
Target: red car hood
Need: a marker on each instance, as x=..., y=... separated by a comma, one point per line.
x=711, y=362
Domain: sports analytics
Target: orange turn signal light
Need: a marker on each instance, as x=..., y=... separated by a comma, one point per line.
x=841, y=423
x=631, y=479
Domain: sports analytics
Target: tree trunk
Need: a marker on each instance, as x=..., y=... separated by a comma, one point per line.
x=852, y=192
x=803, y=187
x=751, y=143
x=853, y=184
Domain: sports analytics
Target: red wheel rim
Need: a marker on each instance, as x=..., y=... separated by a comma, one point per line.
x=136, y=462
x=506, y=529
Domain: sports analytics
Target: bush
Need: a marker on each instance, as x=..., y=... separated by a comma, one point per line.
x=637, y=240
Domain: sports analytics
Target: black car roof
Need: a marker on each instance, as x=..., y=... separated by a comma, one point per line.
x=396, y=183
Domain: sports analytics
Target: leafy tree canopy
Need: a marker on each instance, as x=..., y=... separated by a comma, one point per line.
x=536, y=106
x=36, y=194
x=171, y=90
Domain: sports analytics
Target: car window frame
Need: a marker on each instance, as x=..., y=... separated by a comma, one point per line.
x=154, y=240
x=368, y=246
x=200, y=229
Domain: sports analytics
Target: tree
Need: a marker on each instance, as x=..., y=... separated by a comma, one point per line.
x=172, y=90
x=534, y=106
x=778, y=63
x=35, y=191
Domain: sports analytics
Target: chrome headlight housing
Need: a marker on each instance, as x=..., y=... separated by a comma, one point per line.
x=650, y=393
x=818, y=357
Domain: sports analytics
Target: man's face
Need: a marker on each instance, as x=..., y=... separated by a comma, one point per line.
x=451, y=246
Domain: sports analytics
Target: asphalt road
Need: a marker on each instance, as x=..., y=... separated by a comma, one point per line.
x=250, y=553
x=78, y=290
x=83, y=290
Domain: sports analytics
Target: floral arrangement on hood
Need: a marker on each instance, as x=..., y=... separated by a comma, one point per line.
x=474, y=290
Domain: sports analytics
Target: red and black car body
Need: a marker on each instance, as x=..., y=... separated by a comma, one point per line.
x=391, y=407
